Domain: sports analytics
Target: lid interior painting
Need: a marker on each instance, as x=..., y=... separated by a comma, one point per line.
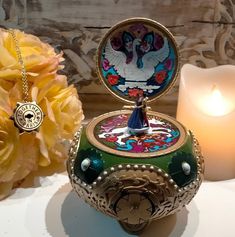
x=138, y=56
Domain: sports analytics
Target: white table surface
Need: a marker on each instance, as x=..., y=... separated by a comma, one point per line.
x=53, y=209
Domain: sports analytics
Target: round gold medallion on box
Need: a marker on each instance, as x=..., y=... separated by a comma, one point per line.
x=135, y=164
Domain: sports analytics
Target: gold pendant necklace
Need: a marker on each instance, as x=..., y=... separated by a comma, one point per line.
x=27, y=116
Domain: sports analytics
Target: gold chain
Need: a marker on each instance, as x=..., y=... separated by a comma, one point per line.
x=27, y=116
x=25, y=84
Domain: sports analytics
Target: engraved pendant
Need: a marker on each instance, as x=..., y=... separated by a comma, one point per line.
x=27, y=116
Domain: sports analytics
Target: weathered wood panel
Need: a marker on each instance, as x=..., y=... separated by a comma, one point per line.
x=204, y=30
x=98, y=13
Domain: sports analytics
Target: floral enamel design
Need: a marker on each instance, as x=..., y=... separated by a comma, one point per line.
x=113, y=133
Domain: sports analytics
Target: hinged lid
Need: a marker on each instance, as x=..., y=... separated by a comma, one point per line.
x=138, y=56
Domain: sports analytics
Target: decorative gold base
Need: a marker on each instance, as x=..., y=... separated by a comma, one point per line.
x=134, y=229
x=135, y=194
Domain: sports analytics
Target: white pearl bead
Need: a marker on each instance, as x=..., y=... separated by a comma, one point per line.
x=85, y=164
x=186, y=168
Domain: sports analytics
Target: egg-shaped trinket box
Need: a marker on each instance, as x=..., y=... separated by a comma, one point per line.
x=136, y=165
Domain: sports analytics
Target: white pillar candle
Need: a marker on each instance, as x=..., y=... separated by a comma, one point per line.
x=206, y=106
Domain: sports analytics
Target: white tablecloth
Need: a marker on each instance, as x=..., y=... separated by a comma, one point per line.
x=52, y=209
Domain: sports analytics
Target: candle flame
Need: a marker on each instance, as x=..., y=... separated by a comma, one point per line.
x=216, y=104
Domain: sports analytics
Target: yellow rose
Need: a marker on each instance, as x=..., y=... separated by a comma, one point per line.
x=9, y=145
x=39, y=58
x=18, y=153
x=23, y=153
x=63, y=116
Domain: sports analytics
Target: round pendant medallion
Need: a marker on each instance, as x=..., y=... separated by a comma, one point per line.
x=28, y=116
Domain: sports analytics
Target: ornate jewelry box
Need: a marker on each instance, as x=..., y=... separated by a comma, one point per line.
x=136, y=165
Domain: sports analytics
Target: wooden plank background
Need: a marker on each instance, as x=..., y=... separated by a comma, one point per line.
x=204, y=31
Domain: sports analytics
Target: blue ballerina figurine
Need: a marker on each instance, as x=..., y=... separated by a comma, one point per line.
x=138, y=121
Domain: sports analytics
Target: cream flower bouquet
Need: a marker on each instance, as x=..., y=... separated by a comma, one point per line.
x=22, y=153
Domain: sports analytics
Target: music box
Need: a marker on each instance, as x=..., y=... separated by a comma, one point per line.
x=135, y=164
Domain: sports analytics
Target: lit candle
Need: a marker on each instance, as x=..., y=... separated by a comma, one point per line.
x=206, y=106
